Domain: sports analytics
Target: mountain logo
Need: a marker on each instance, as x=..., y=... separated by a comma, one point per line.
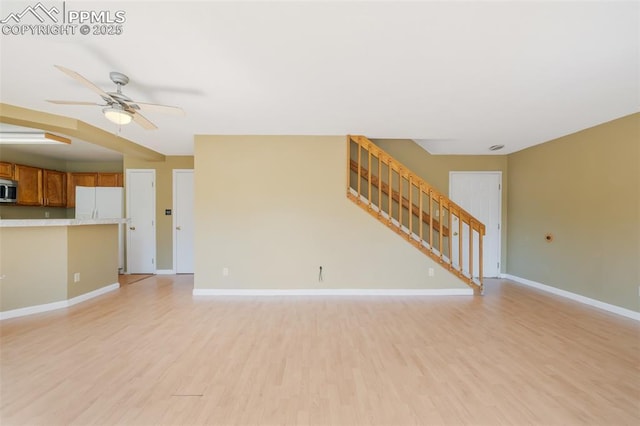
x=39, y=10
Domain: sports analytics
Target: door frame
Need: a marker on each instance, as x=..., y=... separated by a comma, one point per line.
x=173, y=215
x=128, y=214
x=500, y=224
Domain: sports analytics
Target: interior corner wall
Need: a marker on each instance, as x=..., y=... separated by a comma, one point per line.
x=584, y=190
x=435, y=170
x=273, y=209
x=164, y=200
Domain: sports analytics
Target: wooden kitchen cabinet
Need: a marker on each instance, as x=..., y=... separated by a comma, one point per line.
x=109, y=179
x=78, y=179
x=29, y=185
x=55, y=188
x=6, y=170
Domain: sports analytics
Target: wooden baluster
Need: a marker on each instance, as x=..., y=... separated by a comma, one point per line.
x=460, y=227
x=450, y=243
x=359, y=169
x=369, y=176
x=420, y=231
x=396, y=191
x=390, y=191
x=480, y=266
x=471, y=249
x=410, y=206
x=400, y=206
x=379, y=185
x=440, y=214
x=431, y=218
x=348, y=164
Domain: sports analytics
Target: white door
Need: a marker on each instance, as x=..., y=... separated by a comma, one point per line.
x=479, y=193
x=141, y=230
x=183, y=221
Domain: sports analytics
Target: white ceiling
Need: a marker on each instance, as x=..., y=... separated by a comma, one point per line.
x=456, y=76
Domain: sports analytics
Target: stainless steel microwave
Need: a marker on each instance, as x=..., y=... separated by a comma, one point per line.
x=8, y=191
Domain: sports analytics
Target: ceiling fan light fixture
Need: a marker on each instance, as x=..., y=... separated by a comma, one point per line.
x=120, y=109
x=118, y=115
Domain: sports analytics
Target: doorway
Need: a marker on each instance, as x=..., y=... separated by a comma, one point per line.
x=141, y=230
x=183, y=229
x=480, y=193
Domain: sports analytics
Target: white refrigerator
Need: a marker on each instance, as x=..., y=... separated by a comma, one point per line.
x=102, y=203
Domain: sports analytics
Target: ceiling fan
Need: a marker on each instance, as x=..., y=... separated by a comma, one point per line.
x=118, y=107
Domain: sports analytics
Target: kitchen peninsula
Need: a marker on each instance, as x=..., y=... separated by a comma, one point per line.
x=47, y=264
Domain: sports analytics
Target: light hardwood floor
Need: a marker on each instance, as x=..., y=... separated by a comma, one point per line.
x=151, y=353
x=127, y=279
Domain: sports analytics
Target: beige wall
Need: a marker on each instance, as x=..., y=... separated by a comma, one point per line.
x=37, y=264
x=93, y=252
x=32, y=212
x=94, y=166
x=8, y=154
x=33, y=264
x=273, y=209
x=585, y=190
x=435, y=170
x=164, y=200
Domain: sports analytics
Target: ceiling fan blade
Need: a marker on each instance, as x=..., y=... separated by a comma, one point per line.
x=167, y=109
x=143, y=122
x=72, y=102
x=84, y=81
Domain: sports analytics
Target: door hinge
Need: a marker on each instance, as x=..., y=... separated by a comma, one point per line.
x=499, y=186
x=152, y=261
x=152, y=184
x=498, y=226
x=498, y=265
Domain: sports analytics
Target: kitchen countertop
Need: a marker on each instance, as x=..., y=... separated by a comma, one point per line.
x=22, y=223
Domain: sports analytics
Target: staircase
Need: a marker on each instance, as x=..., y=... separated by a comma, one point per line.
x=415, y=210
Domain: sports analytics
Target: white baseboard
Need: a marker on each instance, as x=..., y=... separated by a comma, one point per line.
x=165, y=272
x=574, y=296
x=29, y=310
x=332, y=292
x=92, y=294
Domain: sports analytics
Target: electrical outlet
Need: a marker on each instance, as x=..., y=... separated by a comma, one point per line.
x=225, y=272
x=76, y=277
x=432, y=272
x=46, y=215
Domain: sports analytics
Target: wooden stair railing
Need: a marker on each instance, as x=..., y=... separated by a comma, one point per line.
x=375, y=181
x=415, y=210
